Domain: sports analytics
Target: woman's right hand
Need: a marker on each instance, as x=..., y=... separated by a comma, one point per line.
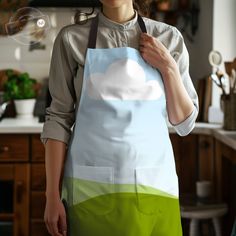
x=55, y=216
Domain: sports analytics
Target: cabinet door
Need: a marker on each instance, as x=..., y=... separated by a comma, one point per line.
x=14, y=210
x=38, y=228
x=37, y=149
x=38, y=180
x=21, y=199
x=225, y=182
x=206, y=157
x=186, y=153
x=38, y=177
x=14, y=147
x=6, y=195
x=38, y=200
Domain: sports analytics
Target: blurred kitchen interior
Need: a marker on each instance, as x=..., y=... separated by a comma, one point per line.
x=205, y=159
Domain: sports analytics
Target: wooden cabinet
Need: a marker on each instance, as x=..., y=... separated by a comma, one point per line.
x=14, y=184
x=186, y=156
x=194, y=158
x=206, y=155
x=14, y=147
x=22, y=185
x=202, y=157
x=225, y=177
x=14, y=206
x=37, y=149
x=22, y=177
x=37, y=188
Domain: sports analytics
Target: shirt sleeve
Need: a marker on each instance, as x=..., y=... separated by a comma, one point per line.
x=60, y=115
x=181, y=56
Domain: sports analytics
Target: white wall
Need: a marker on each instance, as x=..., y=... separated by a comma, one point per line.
x=224, y=35
x=199, y=50
x=17, y=55
x=224, y=28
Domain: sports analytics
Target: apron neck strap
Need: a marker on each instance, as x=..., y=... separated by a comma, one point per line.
x=94, y=30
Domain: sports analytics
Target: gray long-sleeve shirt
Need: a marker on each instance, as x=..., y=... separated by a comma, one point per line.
x=67, y=66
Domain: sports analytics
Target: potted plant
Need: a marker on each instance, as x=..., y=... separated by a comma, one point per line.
x=22, y=89
x=163, y=5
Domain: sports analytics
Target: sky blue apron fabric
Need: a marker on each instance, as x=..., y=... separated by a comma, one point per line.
x=120, y=165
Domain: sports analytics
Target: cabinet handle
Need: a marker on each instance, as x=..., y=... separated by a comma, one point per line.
x=19, y=191
x=4, y=149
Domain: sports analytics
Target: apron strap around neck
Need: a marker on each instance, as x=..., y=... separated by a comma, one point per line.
x=94, y=29
x=142, y=24
x=93, y=33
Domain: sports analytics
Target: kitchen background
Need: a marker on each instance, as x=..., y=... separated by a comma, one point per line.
x=215, y=30
x=208, y=154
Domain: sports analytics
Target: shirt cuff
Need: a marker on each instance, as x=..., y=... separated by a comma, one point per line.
x=53, y=130
x=186, y=126
x=43, y=140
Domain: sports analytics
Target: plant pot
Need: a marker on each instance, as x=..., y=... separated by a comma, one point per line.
x=25, y=107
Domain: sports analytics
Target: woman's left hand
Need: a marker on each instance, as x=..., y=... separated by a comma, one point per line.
x=156, y=54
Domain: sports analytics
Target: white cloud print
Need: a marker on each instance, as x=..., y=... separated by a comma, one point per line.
x=124, y=79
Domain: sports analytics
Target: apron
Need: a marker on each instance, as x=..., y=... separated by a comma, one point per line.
x=119, y=176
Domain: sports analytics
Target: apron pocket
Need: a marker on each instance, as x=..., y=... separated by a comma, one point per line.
x=148, y=201
x=92, y=189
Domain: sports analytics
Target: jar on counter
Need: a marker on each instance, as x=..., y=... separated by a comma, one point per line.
x=228, y=106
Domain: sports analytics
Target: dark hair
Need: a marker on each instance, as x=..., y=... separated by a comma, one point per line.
x=81, y=17
x=142, y=6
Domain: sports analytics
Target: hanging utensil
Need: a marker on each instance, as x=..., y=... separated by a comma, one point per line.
x=233, y=81
x=215, y=60
x=221, y=79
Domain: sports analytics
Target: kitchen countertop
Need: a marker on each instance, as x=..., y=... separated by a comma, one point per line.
x=31, y=125
x=226, y=137
x=20, y=125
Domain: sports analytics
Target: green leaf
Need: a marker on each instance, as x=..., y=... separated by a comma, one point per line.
x=19, y=86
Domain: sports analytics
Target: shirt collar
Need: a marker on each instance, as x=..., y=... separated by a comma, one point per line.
x=112, y=24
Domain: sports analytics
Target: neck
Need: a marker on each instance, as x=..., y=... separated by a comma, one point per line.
x=119, y=14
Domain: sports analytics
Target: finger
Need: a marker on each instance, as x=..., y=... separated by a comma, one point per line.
x=142, y=47
x=149, y=52
x=63, y=225
x=54, y=228
x=153, y=41
x=48, y=227
x=149, y=46
x=145, y=35
x=143, y=50
x=148, y=57
x=151, y=59
x=146, y=41
x=147, y=38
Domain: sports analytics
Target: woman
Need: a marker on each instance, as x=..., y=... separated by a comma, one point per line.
x=119, y=173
